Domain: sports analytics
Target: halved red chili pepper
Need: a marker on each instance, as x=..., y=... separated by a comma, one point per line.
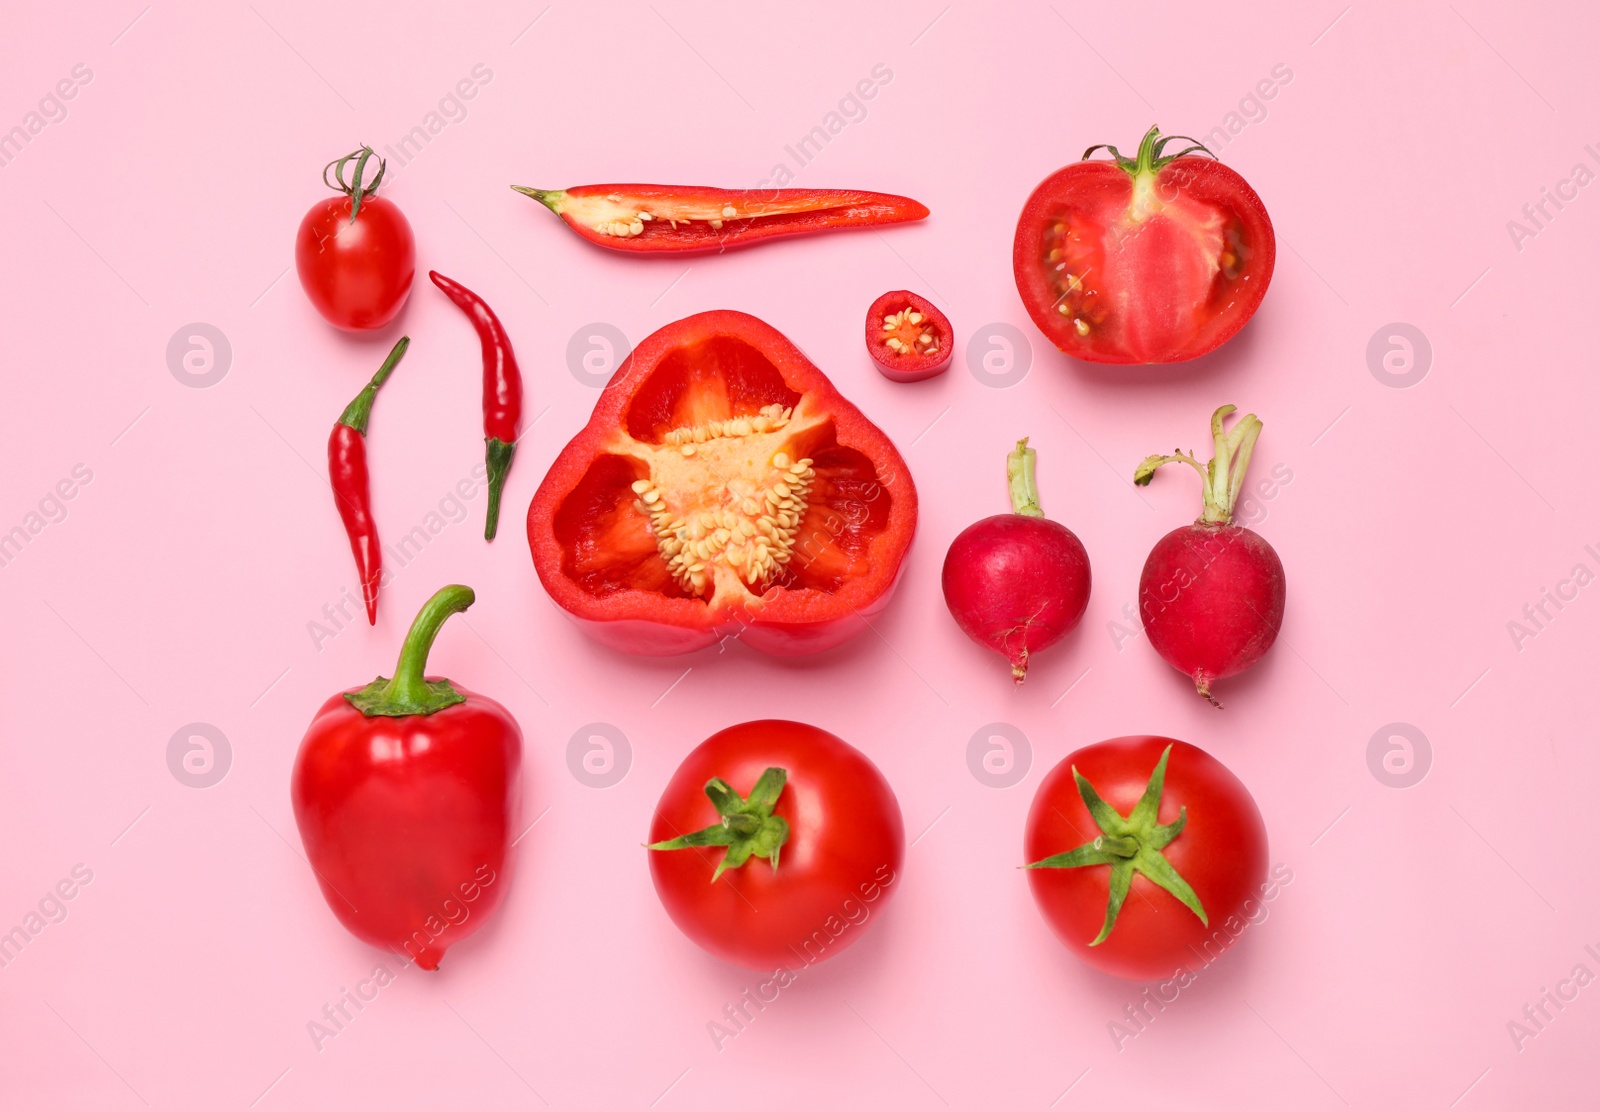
x=502, y=391
x=907, y=337
x=347, y=471
x=722, y=487
x=661, y=219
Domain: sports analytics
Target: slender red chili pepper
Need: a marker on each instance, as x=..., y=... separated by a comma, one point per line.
x=675, y=219
x=502, y=390
x=347, y=471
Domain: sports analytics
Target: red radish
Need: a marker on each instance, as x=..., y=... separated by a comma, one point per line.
x=1017, y=583
x=1212, y=593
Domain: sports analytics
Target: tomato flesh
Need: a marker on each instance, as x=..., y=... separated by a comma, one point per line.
x=836, y=872
x=723, y=486
x=907, y=337
x=1221, y=853
x=1153, y=266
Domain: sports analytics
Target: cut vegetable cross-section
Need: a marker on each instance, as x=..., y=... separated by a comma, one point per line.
x=724, y=503
x=908, y=338
x=1155, y=258
x=723, y=487
x=681, y=218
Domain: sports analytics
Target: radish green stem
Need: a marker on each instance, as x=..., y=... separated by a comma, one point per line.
x=1223, y=478
x=1020, y=478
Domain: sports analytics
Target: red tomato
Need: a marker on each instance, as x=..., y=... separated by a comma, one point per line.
x=1152, y=259
x=814, y=810
x=1180, y=815
x=357, y=272
x=907, y=337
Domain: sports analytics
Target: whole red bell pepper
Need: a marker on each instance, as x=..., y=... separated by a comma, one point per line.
x=723, y=487
x=406, y=792
x=684, y=219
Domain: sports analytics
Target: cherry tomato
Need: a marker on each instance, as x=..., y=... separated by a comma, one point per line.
x=1145, y=855
x=776, y=845
x=355, y=254
x=1153, y=259
x=907, y=337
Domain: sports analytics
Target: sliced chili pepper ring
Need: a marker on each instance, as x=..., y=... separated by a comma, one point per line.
x=908, y=338
x=722, y=488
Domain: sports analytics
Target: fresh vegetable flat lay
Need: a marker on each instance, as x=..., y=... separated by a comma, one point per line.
x=878, y=558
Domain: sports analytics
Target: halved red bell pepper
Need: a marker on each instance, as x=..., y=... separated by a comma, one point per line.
x=678, y=219
x=722, y=487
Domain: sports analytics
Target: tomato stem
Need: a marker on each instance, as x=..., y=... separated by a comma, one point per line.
x=1113, y=843
x=1150, y=156
x=410, y=691
x=748, y=828
x=741, y=824
x=1145, y=160
x=355, y=190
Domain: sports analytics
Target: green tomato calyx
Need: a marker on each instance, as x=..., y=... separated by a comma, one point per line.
x=748, y=828
x=1129, y=845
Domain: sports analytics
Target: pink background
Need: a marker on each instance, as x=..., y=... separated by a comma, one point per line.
x=1417, y=524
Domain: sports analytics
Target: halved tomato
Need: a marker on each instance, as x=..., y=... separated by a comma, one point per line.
x=1153, y=259
x=723, y=487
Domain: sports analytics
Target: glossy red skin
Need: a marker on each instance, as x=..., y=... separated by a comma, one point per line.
x=1016, y=584
x=909, y=367
x=1212, y=599
x=502, y=378
x=347, y=474
x=789, y=622
x=839, y=868
x=400, y=815
x=851, y=208
x=1162, y=304
x=357, y=275
x=1222, y=853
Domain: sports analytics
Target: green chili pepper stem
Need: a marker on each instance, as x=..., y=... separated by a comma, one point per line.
x=498, y=463
x=359, y=411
